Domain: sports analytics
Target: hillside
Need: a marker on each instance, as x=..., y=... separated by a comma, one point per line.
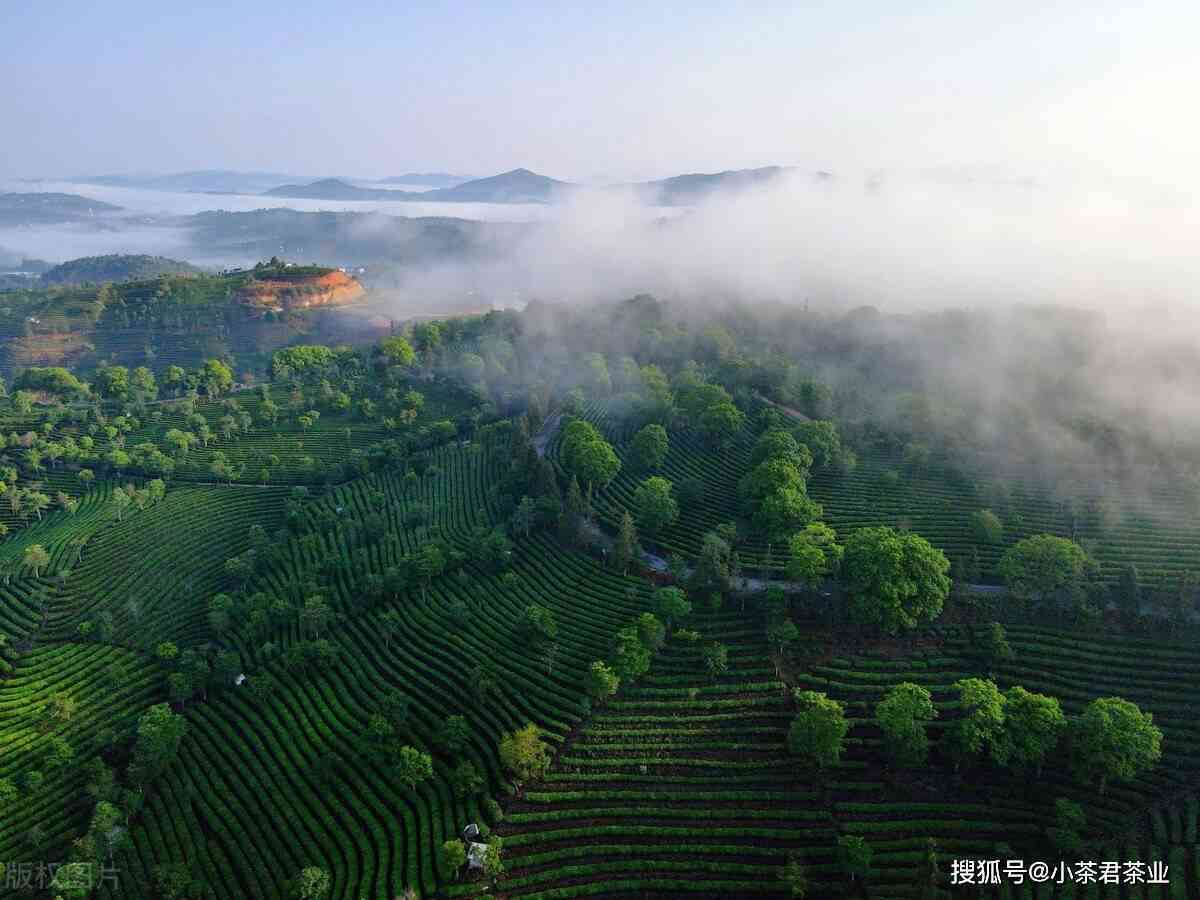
x=116, y=267
x=336, y=189
x=358, y=238
x=168, y=319
x=49, y=209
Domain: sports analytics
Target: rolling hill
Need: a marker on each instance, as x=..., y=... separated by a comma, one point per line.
x=116, y=267
x=48, y=208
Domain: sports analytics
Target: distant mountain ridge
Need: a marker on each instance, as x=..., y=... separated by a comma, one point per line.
x=517, y=186
x=48, y=208
x=428, y=179
x=525, y=186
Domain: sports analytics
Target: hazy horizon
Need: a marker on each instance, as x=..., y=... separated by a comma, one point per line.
x=624, y=93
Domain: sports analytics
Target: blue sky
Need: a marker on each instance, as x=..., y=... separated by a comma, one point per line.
x=623, y=91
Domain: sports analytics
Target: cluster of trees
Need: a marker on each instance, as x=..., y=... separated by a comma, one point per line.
x=1111, y=739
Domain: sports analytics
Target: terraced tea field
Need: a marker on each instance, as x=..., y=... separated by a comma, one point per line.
x=290, y=781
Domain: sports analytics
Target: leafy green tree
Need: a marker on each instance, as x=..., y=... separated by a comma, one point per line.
x=986, y=527
x=455, y=735
x=601, y=681
x=413, y=766
x=631, y=657
x=596, y=464
x=453, y=856
x=312, y=883
x=216, y=377
x=1033, y=726
x=720, y=423
x=780, y=444
x=493, y=859
x=895, y=581
x=1113, y=739
x=112, y=382
x=651, y=631
x=626, y=547
x=786, y=511
x=465, y=780
x=1039, y=567
x=35, y=559
x=538, y=623
x=854, y=856
x=159, y=732
x=981, y=724
x=781, y=633
x=656, y=508
x=993, y=646
x=821, y=438
x=649, y=448
x=715, y=657
x=672, y=605
x=818, y=731
x=524, y=753
x=1066, y=834
x=902, y=716
x=814, y=554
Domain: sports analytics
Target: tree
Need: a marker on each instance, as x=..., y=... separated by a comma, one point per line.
x=778, y=443
x=626, y=547
x=525, y=517
x=993, y=647
x=982, y=722
x=1066, y=834
x=794, y=877
x=656, y=508
x=493, y=858
x=854, y=855
x=651, y=631
x=397, y=351
x=413, y=766
x=36, y=558
x=649, y=448
x=814, y=554
x=631, y=657
x=312, y=883
x=785, y=511
x=216, y=377
x=672, y=605
x=818, y=731
x=524, y=753
x=596, y=464
x=601, y=681
x=455, y=735
x=1033, y=725
x=721, y=422
x=453, y=856
x=1113, y=739
x=538, y=624
x=895, y=581
x=1038, y=567
x=781, y=633
x=902, y=716
x=159, y=732
x=112, y=382
x=716, y=659
x=986, y=527
x=465, y=779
